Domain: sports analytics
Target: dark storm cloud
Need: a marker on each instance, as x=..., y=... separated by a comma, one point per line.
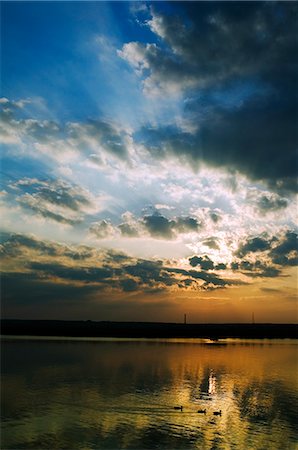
x=211, y=280
x=209, y=44
x=42, y=263
x=12, y=245
x=237, y=66
x=272, y=255
x=286, y=252
x=220, y=266
x=155, y=225
x=129, y=285
x=245, y=139
x=282, y=249
x=220, y=40
x=85, y=274
x=150, y=274
x=22, y=288
x=204, y=262
x=159, y=226
x=16, y=244
x=269, y=272
x=253, y=245
x=256, y=269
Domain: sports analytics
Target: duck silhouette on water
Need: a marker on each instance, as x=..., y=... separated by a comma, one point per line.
x=178, y=408
x=217, y=413
x=202, y=411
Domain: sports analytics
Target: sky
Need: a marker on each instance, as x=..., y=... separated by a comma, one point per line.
x=149, y=161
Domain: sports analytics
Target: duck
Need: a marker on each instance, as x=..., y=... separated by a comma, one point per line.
x=178, y=407
x=217, y=413
x=202, y=411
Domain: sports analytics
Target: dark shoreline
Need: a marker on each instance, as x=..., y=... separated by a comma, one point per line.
x=147, y=329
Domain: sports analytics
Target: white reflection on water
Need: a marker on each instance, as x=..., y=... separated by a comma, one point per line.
x=120, y=394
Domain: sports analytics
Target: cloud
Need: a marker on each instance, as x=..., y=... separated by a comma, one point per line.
x=265, y=37
x=285, y=253
x=239, y=93
x=154, y=225
x=259, y=256
x=210, y=280
x=28, y=289
x=259, y=269
x=167, y=74
x=159, y=226
x=215, y=216
x=256, y=269
x=253, y=245
x=102, y=230
x=57, y=200
x=128, y=230
x=17, y=244
x=204, y=262
x=84, y=274
x=269, y=203
x=110, y=271
x=161, y=206
x=211, y=243
x=267, y=255
x=220, y=266
x=96, y=140
x=242, y=140
x=98, y=135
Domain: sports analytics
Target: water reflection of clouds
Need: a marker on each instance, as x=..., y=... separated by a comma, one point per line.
x=123, y=395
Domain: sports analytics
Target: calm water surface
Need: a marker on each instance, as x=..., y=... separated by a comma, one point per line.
x=120, y=394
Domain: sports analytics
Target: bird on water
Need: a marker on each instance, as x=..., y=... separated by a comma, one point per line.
x=217, y=413
x=178, y=407
x=202, y=411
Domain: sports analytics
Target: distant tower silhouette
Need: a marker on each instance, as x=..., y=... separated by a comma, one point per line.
x=253, y=318
x=184, y=319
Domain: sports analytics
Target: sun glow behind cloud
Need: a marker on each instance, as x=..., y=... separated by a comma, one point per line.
x=167, y=182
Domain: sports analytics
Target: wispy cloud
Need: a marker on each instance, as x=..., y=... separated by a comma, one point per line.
x=57, y=200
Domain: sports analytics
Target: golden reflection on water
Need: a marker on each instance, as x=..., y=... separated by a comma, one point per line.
x=121, y=394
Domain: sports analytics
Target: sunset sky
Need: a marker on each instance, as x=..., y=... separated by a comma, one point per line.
x=149, y=165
